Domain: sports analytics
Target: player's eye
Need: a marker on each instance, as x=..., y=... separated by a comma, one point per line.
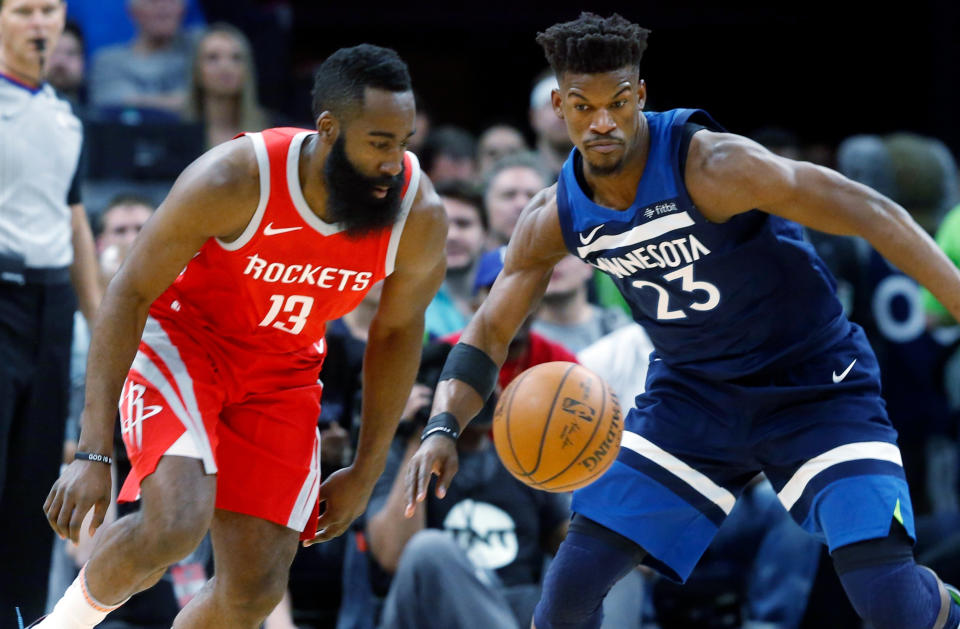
x=581, y=107
x=380, y=146
x=620, y=103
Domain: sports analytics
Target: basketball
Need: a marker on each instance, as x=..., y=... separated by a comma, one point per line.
x=557, y=426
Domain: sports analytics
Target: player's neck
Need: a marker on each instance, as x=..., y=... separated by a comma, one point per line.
x=312, y=158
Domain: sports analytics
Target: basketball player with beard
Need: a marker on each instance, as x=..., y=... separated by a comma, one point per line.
x=260, y=242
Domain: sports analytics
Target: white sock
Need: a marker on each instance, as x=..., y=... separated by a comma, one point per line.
x=77, y=609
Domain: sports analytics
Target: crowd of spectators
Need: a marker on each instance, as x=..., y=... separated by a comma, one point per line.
x=156, y=84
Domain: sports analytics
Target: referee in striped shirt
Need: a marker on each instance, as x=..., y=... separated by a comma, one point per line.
x=45, y=246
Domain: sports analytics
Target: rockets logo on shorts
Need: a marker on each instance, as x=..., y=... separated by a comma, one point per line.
x=131, y=422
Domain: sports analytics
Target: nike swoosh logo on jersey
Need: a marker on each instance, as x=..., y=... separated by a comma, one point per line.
x=589, y=238
x=270, y=230
x=840, y=378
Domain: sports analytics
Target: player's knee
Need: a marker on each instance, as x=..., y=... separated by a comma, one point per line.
x=174, y=534
x=253, y=593
x=886, y=587
x=579, y=578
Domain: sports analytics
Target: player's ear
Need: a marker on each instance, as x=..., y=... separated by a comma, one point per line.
x=641, y=94
x=328, y=127
x=557, y=103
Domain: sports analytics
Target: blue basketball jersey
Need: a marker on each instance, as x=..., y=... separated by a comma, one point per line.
x=718, y=300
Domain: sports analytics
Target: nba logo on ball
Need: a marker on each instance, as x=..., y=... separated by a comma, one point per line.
x=557, y=426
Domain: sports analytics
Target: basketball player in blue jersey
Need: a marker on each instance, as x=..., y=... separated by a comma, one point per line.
x=755, y=367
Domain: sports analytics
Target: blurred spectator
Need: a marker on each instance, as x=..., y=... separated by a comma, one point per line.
x=452, y=308
x=223, y=85
x=449, y=153
x=552, y=143
x=486, y=541
x=117, y=229
x=508, y=187
x=621, y=358
x=45, y=242
x=151, y=71
x=565, y=316
x=108, y=22
x=66, y=67
x=497, y=142
x=423, y=125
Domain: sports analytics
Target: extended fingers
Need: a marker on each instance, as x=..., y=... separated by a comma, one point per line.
x=411, y=484
x=52, y=507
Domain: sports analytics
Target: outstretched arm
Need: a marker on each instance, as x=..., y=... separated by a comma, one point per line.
x=391, y=360
x=728, y=174
x=535, y=247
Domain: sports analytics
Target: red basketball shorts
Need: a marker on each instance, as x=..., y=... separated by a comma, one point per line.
x=250, y=418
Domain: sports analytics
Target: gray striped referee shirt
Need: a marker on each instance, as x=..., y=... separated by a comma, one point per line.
x=40, y=142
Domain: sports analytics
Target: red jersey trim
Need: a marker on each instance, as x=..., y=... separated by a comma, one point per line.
x=413, y=183
x=263, y=165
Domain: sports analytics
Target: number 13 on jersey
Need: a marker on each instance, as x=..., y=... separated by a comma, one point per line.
x=298, y=305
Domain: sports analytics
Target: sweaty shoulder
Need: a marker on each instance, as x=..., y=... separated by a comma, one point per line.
x=221, y=189
x=727, y=174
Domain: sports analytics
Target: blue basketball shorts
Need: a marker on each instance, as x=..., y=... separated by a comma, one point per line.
x=818, y=429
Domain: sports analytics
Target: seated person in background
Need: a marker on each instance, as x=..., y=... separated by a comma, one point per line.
x=566, y=317
x=66, y=67
x=223, y=86
x=508, y=187
x=496, y=142
x=552, y=144
x=151, y=71
x=449, y=152
x=528, y=347
x=485, y=543
x=453, y=306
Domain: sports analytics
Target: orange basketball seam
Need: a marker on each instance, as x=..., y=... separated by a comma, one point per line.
x=514, y=386
x=546, y=425
x=576, y=459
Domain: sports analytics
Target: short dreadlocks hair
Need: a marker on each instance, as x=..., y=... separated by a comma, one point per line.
x=592, y=44
x=340, y=80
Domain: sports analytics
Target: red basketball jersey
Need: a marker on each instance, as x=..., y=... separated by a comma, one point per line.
x=273, y=289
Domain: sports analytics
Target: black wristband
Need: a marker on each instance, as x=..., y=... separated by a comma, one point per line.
x=471, y=366
x=92, y=456
x=441, y=424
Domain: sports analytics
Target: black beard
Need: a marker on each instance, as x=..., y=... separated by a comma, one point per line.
x=350, y=199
